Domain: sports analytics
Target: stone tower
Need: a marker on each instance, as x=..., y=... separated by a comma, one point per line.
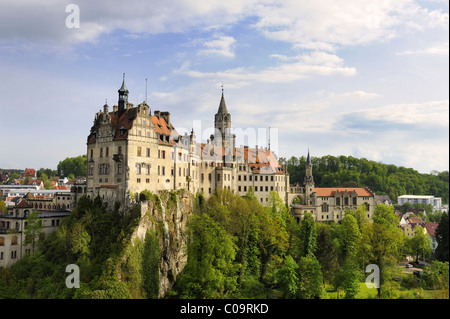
x=308, y=181
x=223, y=136
x=222, y=119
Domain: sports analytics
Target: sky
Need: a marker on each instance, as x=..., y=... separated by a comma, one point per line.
x=359, y=78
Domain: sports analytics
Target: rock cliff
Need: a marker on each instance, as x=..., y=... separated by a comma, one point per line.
x=166, y=214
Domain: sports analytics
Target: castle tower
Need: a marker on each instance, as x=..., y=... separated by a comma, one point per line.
x=222, y=119
x=123, y=97
x=309, y=180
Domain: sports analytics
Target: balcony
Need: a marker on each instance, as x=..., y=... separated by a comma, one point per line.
x=118, y=157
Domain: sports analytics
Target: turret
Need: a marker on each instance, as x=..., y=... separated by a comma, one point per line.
x=123, y=97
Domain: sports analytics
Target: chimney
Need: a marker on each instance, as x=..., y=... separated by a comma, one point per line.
x=166, y=117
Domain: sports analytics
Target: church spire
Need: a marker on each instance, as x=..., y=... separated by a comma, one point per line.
x=222, y=105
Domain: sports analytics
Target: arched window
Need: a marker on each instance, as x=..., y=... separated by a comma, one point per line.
x=14, y=240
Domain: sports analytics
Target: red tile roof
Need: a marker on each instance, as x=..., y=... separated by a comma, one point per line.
x=431, y=228
x=24, y=204
x=415, y=220
x=125, y=123
x=31, y=172
x=331, y=191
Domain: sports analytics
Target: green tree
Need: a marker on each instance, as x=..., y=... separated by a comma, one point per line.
x=72, y=165
x=288, y=278
x=150, y=265
x=326, y=253
x=209, y=272
x=33, y=229
x=310, y=277
x=420, y=243
x=308, y=235
x=2, y=207
x=384, y=238
x=442, y=249
x=348, y=279
x=348, y=236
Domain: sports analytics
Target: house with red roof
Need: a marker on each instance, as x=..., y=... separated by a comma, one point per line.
x=29, y=172
x=431, y=230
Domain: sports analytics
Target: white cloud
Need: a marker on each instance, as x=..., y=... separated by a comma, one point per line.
x=441, y=49
x=312, y=64
x=223, y=46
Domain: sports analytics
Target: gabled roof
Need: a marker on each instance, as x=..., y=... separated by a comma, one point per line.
x=431, y=228
x=24, y=204
x=415, y=220
x=331, y=191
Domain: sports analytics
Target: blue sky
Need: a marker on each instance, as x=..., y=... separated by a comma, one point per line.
x=361, y=78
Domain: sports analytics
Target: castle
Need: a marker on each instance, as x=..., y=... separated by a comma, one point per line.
x=129, y=150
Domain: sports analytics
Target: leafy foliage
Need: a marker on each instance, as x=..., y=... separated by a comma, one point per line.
x=72, y=166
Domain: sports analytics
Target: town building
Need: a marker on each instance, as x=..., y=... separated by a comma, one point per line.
x=436, y=202
x=12, y=226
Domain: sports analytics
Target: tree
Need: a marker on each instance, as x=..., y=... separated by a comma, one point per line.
x=2, y=207
x=288, y=278
x=308, y=235
x=442, y=249
x=420, y=243
x=310, y=277
x=348, y=235
x=209, y=272
x=384, y=238
x=348, y=278
x=326, y=253
x=33, y=229
x=73, y=165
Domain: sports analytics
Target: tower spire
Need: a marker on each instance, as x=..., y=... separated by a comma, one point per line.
x=123, y=97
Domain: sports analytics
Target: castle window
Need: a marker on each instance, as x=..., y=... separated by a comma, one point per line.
x=92, y=153
x=101, y=152
x=354, y=200
x=163, y=154
x=147, y=169
x=139, y=151
x=346, y=201
x=148, y=152
x=119, y=149
x=163, y=170
x=239, y=178
x=245, y=178
x=138, y=166
x=107, y=152
x=138, y=180
x=119, y=168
